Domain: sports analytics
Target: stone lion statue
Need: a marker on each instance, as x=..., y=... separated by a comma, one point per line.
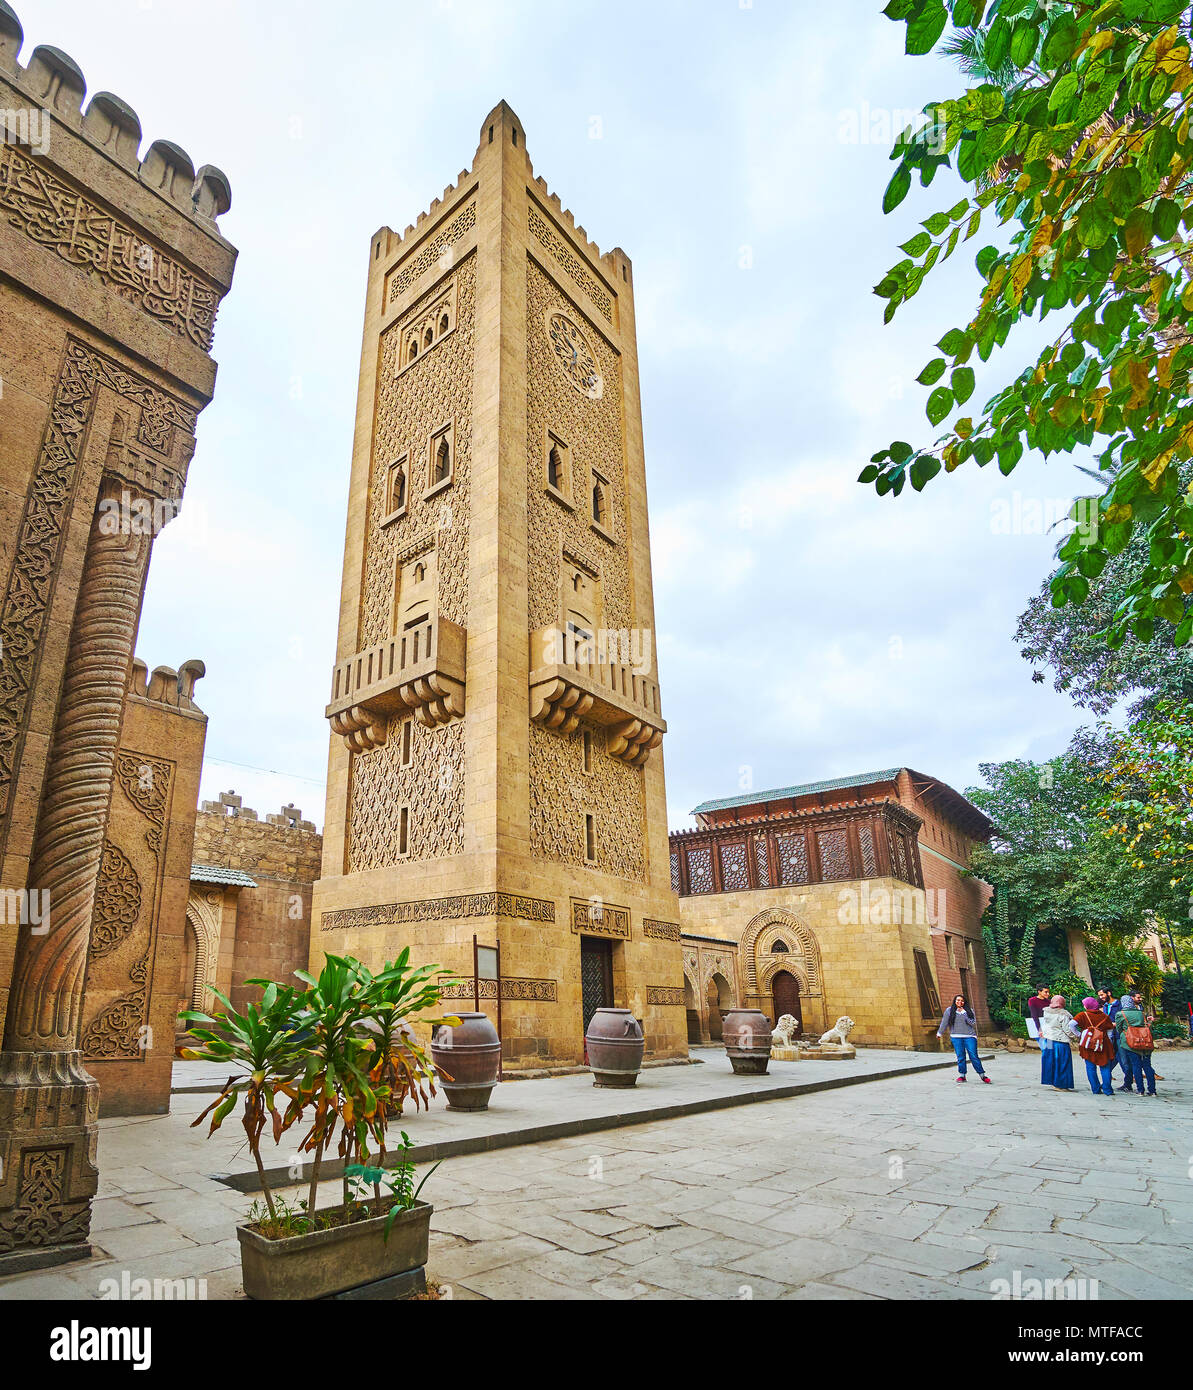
x=785, y=1031
x=839, y=1032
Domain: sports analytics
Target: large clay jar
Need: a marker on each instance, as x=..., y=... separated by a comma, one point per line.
x=615, y=1045
x=746, y=1035
x=469, y=1053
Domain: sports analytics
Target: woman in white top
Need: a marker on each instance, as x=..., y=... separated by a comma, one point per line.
x=1058, y=1026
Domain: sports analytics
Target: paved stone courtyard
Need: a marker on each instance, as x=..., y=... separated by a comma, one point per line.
x=909, y=1187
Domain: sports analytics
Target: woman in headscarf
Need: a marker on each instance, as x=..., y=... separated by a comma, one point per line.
x=1135, y=1040
x=1097, y=1051
x=1056, y=1024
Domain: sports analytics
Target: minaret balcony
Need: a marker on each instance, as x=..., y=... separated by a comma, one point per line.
x=574, y=678
x=421, y=670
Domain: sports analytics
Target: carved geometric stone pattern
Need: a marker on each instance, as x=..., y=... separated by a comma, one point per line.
x=735, y=874
x=700, y=870
x=440, y=910
x=432, y=786
x=42, y=526
x=41, y=1215
x=121, y=952
x=409, y=409
x=592, y=430
x=414, y=269
x=604, y=920
x=833, y=846
x=865, y=839
x=793, y=858
x=761, y=862
x=561, y=793
x=117, y=901
x=665, y=995
x=675, y=879
x=571, y=264
x=51, y=212
x=661, y=931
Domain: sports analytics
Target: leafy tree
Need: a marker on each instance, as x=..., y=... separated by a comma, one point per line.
x=1149, y=784
x=1008, y=967
x=1051, y=856
x=1082, y=156
x=1070, y=641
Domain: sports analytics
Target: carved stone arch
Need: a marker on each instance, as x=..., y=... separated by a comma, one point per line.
x=792, y=964
x=803, y=956
x=204, y=913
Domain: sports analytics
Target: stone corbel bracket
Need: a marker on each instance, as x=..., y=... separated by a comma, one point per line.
x=560, y=703
x=394, y=679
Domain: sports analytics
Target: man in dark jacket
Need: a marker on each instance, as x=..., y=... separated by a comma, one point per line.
x=1120, y=1058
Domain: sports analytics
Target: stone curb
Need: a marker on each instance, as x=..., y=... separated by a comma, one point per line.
x=589, y=1124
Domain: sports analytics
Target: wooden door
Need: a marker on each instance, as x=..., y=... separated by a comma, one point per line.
x=785, y=989
x=596, y=976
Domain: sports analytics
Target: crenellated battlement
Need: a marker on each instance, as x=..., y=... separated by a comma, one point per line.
x=166, y=686
x=392, y=246
x=55, y=83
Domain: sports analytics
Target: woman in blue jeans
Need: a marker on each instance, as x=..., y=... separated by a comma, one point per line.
x=959, y=1023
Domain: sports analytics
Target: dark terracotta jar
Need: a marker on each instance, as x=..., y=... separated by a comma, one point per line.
x=615, y=1046
x=746, y=1035
x=468, y=1053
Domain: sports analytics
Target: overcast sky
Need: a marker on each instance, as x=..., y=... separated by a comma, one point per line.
x=738, y=151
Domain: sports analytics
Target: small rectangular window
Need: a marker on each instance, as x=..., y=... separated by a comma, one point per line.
x=590, y=838
x=404, y=830
x=586, y=743
x=407, y=741
x=951, y=952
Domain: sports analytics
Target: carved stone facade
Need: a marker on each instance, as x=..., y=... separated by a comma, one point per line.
x=482, y=781
x=111, y=271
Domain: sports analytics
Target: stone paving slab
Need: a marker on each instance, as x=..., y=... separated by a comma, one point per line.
x=531, y=1112
x=848, y=1193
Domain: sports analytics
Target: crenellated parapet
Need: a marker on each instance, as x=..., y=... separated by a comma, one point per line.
x=55, y=82
x=174, y=689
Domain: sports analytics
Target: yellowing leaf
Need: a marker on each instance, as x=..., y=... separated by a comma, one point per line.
x=1154, y=471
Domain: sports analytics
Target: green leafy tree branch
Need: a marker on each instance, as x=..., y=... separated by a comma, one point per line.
x=1077, y=142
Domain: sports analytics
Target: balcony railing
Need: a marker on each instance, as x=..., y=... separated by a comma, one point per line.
x=420, y=670
x=877, y=839
x=573, y=679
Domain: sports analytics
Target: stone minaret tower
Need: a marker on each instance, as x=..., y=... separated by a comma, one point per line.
x=496, y=769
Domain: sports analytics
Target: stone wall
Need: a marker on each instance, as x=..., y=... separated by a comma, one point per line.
x=264, y=930
x=138, y=926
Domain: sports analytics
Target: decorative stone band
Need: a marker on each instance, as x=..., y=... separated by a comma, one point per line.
x=439, y=250
x=539, y=991
x=669, y=996
x=602, y=920
x=58, y=216
x=440, y=910
x=571, y=263
x=661, y=931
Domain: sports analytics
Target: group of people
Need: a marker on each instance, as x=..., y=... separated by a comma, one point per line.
x=1108, y=1032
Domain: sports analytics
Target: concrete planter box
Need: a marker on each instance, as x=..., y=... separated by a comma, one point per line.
x=324, y=1263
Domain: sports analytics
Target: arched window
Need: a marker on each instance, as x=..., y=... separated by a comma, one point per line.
x=555, y=468
x=442, y=466
x=420, y=572
x=397, y=489
x=428, y=337
x=413, y=352
x=780, y=946
x=599, y=506
x=444, y=325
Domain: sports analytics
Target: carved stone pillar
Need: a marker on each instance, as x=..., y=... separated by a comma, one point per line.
x=48, y=1100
